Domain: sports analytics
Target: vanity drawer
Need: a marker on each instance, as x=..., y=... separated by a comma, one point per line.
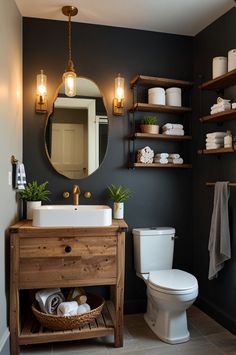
x=67, y=246
x=67, y=261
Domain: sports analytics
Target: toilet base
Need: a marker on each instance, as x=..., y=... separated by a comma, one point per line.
x=175, y=340
x=166, y=318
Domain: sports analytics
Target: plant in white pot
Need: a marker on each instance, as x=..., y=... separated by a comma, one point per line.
x=119, y=194
x=149, y=125
x=34, y=194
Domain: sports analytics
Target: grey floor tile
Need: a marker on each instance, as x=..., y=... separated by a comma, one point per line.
x=225, y=341
x=207, y=338
x=39, y=349
x=86, y=347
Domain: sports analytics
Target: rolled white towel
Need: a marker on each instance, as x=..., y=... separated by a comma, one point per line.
x=174, y=156
x=83, y=308
x=49, y=299
x=174, y=132
x=215, y=140
x=161, y=161
x=147, y=150
x=213, y=146
x=172, y=126
x=144, y=159
x=216, y=134
x=234, y=105
x=67, y=308
x=161, y=155
x=176, y=160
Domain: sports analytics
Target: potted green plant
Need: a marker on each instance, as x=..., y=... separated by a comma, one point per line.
x=119, y=194
x=149, y=125
x=34, y=194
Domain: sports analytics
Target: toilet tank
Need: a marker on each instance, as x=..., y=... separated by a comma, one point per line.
x=153, y=249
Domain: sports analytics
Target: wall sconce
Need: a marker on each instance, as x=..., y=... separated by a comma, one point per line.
x=69, y=77
x=118, y=102
x=41, y=95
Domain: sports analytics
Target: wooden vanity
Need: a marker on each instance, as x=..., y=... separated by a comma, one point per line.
x=66, y=257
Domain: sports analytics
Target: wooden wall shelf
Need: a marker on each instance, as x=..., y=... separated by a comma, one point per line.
x=163, y=137
x=220, y=117
x=158, y=165
x=160, y=108
x=221, y=82
x=163, y=82
x=217, y=151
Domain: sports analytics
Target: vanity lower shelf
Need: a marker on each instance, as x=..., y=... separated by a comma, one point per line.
x=33, y=333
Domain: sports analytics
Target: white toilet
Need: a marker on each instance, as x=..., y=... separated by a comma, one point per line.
x=169, y=291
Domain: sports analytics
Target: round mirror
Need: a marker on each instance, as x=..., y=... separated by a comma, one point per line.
x=76, y=131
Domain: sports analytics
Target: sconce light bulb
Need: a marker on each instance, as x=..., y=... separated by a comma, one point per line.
x=119, y=87
x=119, y=93
x=41, y=84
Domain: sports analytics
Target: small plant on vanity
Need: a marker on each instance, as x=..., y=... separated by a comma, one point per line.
x=119, y=194
x=34, y=194
x=149, y=125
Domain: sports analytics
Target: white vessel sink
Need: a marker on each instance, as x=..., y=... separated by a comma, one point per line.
x=72, y=216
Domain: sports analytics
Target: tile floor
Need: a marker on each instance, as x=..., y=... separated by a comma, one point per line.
x=207, y=338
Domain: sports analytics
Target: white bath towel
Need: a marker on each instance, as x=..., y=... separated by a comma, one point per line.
x=176, y=160
x=215, y=140
x=219, y=239
x=49, y=299
x=68, y=308
x=172, y=126
x=174, y=156
x=214, y=145
x=174, y=132
x=216, y=134
x=161, y=160
x=161, y=155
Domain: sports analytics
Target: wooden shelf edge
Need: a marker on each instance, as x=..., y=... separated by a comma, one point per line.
x=104, y=325
x=139, y=106
x=220, y=82
x=217, y=151
x=158, y=165
x=139, y=135
x=164, y=82
x=220, y=116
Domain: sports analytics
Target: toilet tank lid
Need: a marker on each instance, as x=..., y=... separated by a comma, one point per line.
x=173, y=279
x=154, y=231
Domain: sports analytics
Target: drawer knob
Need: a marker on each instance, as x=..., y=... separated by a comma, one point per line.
x=68, y=249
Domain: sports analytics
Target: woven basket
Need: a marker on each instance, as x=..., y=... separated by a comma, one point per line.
x=55, y=322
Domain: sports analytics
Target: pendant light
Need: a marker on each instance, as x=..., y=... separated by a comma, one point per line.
x=69, y=77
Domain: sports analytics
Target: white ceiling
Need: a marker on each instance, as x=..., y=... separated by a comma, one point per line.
x=184, y=17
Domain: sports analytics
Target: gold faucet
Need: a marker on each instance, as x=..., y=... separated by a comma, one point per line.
x=76, y=193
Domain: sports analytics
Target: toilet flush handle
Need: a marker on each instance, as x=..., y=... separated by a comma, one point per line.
x=175, y=237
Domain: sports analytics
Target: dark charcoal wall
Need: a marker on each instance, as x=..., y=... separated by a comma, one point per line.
x=217, y=297
x=162, y=197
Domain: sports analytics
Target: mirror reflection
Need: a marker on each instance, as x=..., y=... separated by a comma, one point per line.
x=76, y=131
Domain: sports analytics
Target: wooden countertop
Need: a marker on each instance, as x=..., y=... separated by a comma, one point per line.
x=26, y=226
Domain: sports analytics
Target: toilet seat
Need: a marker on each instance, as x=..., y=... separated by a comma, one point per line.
x=172, y=281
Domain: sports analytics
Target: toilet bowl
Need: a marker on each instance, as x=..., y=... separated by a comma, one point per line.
x=169, y=293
